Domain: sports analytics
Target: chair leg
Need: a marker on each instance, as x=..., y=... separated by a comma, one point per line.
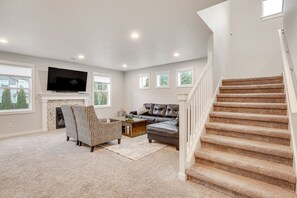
x=77, y=142
x=177, y=148
x=67, y=139
x=150, y=141
x=92, y=149
x=119, y=141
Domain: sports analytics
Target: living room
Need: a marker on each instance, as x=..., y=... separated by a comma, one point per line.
x=130, y=51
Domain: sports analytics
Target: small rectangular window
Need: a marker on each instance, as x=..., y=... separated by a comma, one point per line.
x=163, y=80
x=271, y=8
x=185, y=77
x=102, y=90
x=144, y=81
x=15, y=88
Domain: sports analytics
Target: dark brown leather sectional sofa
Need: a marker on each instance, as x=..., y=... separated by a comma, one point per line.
x=163, y=122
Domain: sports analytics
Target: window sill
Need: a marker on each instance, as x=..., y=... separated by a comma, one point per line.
x=16, y=112
x=265, y=18
x=163, y=87
x=184, y=86
x=103, y=107
x=144, y=88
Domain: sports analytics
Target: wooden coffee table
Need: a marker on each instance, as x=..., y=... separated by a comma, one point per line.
x=132, y=128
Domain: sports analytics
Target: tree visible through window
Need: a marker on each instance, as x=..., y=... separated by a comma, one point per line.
x=102, y=90
x=184, y=77
x=162, y=80
x=15, y=88
x=144, y=81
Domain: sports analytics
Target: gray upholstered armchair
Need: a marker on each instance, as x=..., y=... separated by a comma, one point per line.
x=70, y=123
x=93, y=131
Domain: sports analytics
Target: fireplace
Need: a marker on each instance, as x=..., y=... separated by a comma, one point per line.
x=60, y=122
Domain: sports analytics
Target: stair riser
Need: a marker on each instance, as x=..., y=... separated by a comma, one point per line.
x=217, y=188
x=253, y=82
x=269, y=124
x=251, y=100
x=252, y=110
x=248, y=136
x=241, y=91
x=262, y=156
x=247, y=173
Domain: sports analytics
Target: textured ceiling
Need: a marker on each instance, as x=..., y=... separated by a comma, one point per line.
x=100, y=29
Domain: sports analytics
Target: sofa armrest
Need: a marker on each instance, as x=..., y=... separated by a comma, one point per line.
x=133, y=112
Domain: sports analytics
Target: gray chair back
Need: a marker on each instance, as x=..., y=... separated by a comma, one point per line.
x=70, y=123
x=82, y=123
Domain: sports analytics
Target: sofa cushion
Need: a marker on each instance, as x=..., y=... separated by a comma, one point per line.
x=163, y=119
x=166, y=129
x=172, y=110
x=141, y=111
x=149, y=107
x=159, y=110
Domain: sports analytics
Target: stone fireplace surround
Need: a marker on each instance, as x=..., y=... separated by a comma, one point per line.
x=52, y=100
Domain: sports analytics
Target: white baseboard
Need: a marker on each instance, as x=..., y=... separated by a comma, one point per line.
x=8, y=135
x=182, y=176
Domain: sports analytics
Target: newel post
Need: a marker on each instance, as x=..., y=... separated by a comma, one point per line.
x=182, y=100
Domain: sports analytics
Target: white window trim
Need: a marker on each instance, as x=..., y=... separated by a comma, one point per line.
x=163, y=87
x=93, y=89
x=185, y=69
x=272, y=16
x=142, y=75
x=32, y=92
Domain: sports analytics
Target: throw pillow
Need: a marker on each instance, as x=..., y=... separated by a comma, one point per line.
x=141, y=111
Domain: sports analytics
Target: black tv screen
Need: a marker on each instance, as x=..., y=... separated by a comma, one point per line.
x=66, y=80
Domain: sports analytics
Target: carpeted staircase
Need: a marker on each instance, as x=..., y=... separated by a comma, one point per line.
x=246, y=149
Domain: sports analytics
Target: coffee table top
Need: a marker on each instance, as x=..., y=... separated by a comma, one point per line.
x=126, y=119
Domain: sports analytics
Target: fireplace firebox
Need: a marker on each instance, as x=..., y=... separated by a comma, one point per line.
x=60, y=123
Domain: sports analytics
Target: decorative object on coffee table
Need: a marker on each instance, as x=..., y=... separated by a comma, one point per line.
x=133, y=127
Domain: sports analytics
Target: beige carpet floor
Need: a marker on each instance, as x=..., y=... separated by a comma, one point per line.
x=45, y=165
x=134, y=148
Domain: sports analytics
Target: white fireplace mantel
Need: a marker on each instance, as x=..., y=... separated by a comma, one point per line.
x=53, y=96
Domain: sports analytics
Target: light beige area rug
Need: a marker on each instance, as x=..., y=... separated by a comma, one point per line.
x=134, y=148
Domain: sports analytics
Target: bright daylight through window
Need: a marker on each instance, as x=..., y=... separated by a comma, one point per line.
x=15, y=88
x=271, y=7
x=184, y=77
x=162, y=79
x=144, y=81
x=102, y=90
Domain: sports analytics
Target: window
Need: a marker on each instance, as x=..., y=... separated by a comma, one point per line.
x=185, y=77
x=102, y=90
x=15, y=87
x=144, y=81
x=271, y=8
x=163, y=80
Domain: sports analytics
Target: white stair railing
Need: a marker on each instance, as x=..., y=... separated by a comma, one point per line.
x=291, y=92
x=194, y=108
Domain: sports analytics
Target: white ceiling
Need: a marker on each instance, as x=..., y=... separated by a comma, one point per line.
x=100, y=29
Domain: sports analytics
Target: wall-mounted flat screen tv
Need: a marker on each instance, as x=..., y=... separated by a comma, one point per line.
x=64, y=80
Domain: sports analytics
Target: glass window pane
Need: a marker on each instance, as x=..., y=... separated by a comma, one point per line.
x=271, y=7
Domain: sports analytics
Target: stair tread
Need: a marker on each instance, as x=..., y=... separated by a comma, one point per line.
x=263, y=167
x=237, y=183
x=251, y=105
x=264, y=131
x=252, y=95
x=250, y=116
x=250, y=145
x=252, y=79
x=261, y=86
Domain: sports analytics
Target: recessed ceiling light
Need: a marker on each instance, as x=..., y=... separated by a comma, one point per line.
x=80, y=56
x=135, y=35
x=124, y=65
x=3, y=41
x=176, y=54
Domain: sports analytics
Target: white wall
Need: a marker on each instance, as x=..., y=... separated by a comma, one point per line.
x=255, y=47
x=290, y=26
x=218, y=20
x=32, y=121
x=135, y=97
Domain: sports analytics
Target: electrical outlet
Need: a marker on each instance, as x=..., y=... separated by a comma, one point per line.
x=10, y=125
